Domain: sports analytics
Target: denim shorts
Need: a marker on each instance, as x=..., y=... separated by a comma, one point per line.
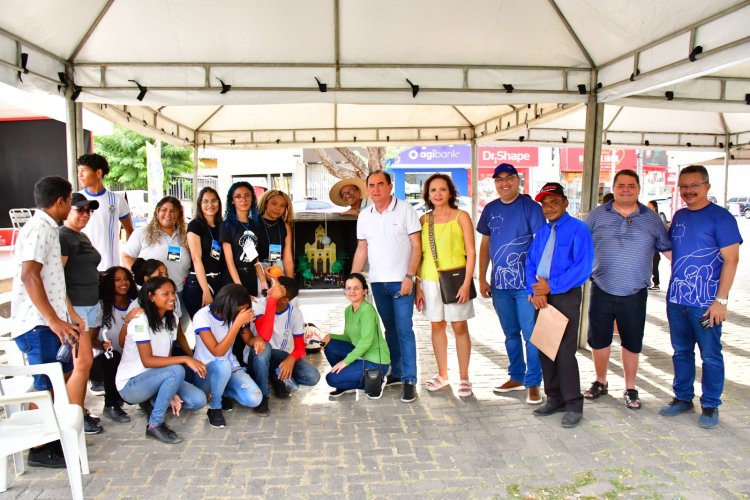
x=40, y=345
x=91, y=314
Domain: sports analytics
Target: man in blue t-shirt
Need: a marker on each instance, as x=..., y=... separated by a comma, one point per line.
x=705, y=253
x=507, y=226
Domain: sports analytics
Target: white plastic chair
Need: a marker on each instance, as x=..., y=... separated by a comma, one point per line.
x=25, y=429
x=18, y=217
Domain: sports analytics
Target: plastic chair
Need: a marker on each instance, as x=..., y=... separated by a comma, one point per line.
x=25, y=429
x=18, y=217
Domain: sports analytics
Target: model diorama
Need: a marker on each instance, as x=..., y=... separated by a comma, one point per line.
x=322, y=249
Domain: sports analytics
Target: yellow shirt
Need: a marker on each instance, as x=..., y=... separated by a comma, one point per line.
x=449, y=244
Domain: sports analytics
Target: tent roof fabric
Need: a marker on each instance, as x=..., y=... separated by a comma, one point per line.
x=394, y=71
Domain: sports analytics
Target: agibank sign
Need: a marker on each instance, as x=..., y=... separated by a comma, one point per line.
x=489, y=156
x=436, y=155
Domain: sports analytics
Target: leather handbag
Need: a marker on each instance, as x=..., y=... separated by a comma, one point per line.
x=451, y=280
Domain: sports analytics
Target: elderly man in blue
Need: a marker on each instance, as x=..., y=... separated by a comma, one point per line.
x=705, y=253
x=507, y=226
x=626, y=235
x=559, y=263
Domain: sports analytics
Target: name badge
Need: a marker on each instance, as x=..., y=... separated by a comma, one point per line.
x=274, y=252
x=173, y=253
x=215, y=250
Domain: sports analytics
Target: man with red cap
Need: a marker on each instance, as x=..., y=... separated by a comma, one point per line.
x=560, y=261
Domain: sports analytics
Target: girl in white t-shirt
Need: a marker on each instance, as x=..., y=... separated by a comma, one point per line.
x=216, y=328
x=147, y=371
x=117, y=291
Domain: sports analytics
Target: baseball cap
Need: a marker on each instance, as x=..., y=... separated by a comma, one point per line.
x=554, y=188
x=506, y=168
x=81, y=201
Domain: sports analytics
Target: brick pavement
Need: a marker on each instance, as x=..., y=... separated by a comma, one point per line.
x=441, y=446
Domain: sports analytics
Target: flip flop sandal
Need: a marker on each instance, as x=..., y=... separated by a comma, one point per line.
x=631, y=399
x=436, y=383
x=464, y=389
x=596, y=390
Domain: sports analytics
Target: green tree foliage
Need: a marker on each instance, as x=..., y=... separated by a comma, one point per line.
x=125, y=151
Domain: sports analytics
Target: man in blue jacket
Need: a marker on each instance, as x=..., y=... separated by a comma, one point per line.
x=558, y=264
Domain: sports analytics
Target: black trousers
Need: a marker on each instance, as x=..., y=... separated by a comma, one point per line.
x=562, y=382
x=105, y=371
x=655, y=268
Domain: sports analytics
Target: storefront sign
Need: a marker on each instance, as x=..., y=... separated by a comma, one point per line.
x=571, y=159
x=491, y=156
x=435, y=155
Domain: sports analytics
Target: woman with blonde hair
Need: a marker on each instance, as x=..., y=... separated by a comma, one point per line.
x=452, y=239
x=275, y=233
x=164, y=238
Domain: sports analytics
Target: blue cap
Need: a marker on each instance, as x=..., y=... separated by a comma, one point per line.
x=506, y=168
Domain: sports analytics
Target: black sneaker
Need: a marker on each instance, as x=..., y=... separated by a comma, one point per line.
x=116, y=414
x=340, y=392
x=163, y=433
x=378, y=393
x=392, y=380
x=147, y=408
x=280, y=391
x=262, y=409
x=410, y=392
x=216, y=419
x=227, y=404
x=90, y=425
x=96, y=388
x=93, y=417
x=46, y=456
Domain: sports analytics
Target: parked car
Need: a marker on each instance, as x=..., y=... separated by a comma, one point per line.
x=739, y=205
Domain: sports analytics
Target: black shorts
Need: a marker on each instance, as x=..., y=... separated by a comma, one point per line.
x=628, y=311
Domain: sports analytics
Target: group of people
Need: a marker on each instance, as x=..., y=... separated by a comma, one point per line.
x=218, y=271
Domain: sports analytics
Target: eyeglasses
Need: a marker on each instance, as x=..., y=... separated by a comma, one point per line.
x=83, y=210
x=353, y=288
x=695, y=185
x=211, y=202
x=507, y=178
x=348, y=193
x=242, y=197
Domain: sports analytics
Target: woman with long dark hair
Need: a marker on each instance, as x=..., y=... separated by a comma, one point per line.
x=217, y=326
x=148, y=374
x=117, y=290
x=204, y=279
x=239, y=239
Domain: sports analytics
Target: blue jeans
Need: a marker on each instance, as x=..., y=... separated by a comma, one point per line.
x=192, y=294
x=40, y=344
x=159, y=385
x=396, y=314
x=685, y=331
x=265, y=364
x=353, y=376
x=517, y=316
x=221, y=380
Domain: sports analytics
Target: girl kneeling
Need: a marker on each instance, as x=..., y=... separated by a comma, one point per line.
x=362, y=345
x=147, y=372
x=216, y=328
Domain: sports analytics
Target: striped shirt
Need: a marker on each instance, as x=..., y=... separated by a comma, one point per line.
x=624, y=247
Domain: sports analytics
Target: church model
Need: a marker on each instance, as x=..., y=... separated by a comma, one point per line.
x=321, y=266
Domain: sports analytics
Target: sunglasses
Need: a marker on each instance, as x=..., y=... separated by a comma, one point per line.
x=83, y=210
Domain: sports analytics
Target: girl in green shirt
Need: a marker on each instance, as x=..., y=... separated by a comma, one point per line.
x=362, y=345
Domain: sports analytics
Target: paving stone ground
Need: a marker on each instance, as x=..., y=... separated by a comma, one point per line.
x=441, y=446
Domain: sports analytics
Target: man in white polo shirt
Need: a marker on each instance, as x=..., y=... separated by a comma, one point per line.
x=389, y=239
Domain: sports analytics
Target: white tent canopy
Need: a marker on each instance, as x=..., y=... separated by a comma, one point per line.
x=486, y=69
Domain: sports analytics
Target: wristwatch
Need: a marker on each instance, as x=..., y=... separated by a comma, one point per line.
x=722, y=301
x=412, y=277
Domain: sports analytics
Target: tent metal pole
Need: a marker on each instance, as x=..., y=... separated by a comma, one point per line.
x=71, y=139
x=195, y=174
x=590, y=195
x=726, y=169
x=80, y=149
x=475, y=196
